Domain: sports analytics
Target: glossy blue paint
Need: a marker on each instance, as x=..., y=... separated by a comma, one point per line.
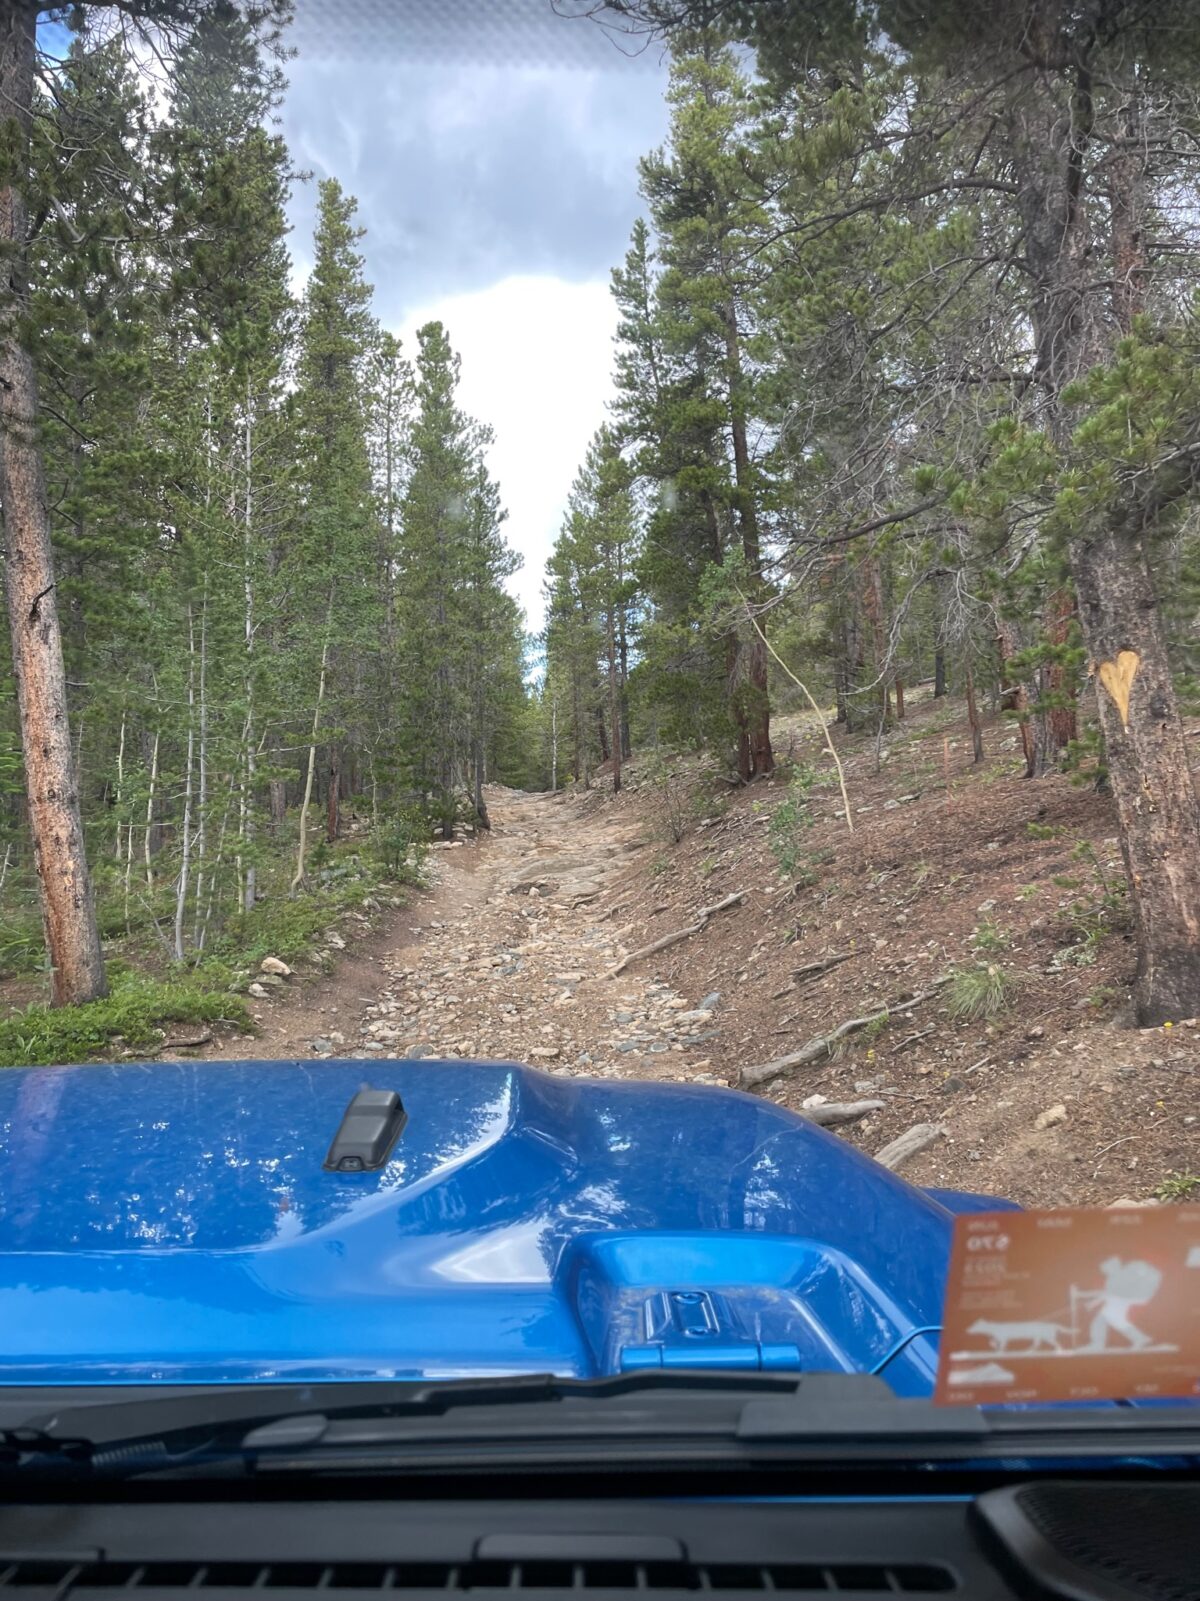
x=172, y=1222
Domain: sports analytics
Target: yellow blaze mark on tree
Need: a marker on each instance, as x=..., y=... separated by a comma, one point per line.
x=1117, y=678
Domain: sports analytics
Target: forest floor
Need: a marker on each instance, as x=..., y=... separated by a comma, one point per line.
x=1053, y=1099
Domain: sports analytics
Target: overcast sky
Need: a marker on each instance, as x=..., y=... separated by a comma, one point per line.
x=492, y=146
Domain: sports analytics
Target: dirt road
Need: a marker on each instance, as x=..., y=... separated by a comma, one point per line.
x=508, y=956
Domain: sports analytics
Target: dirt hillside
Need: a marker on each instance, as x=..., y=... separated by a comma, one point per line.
x=1050, y=1097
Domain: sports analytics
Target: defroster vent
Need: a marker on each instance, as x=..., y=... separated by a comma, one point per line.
x=53, y=1581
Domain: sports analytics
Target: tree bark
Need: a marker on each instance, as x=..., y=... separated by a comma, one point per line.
x=181, y=886
x=51, y=785
x=1157, y=813
x=1013, y=697
x=150, y=795
x=1060, y=613
x=302, y=842
x=1158, y=820
x=333, y=796
x=973, y=718
x=874, y=606
x=939, y=673
x=754, y=701
x=614, y=702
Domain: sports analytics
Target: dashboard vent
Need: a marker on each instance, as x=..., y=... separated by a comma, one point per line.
x=55, y=1581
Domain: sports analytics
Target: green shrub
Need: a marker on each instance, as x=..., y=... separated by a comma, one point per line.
x=989, y=938
x=399, y=843
x=134, y=1014
x=790, y=821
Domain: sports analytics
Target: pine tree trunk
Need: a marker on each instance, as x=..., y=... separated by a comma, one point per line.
x=1148, y=770
x=1158, y=819
x=939, y=673
x=874, y=608
x=149, y=852
x=247, y=874
x=51, y=784
x=973, y=718
x=277, y=790
x=1060, y=613
x=181, y=887
x=614, y=702
x=623, y=658
x=1012, y=694
x=120, y=785
x=302, y=843
x=899, y=688
x=754, y=709
x=202, y=767
x=333, y=796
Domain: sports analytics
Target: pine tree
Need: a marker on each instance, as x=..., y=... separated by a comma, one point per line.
x=332, y=559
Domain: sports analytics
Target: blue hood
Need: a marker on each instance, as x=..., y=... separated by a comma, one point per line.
x=173, y=1223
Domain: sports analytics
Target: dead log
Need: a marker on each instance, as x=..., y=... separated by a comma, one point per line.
x=823, y=1044
x=833, y=1113
x=898, y=1151
x=682, y=933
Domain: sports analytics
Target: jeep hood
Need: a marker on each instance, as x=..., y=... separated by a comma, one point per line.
x=173, y=1223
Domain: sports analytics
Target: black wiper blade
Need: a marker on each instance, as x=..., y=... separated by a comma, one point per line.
x=103, y=1428
x=697, y=1418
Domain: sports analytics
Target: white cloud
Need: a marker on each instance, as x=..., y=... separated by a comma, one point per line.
x=536, y=366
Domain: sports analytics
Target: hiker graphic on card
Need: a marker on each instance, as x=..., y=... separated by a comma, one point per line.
x=1126, y=1285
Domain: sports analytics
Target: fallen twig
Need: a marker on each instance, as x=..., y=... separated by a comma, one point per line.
x=911, y=1039
x=823, y=1044
x=815, y=969
x=1108, y=1147
x=681, y=933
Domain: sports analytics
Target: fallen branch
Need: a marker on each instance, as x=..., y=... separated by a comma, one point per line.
x=815, y=969
x=682, y=933
x=823, y=1044
x=907, y=1145
x=832, y=1113
x=204, y=1037
x=829, y=745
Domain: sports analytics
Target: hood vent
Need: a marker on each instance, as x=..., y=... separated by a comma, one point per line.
x=55, y=1581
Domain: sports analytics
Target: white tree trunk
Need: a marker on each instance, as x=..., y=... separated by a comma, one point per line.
x=150, y=809
x=202, y=764
x=302, y=847
x=181, y=888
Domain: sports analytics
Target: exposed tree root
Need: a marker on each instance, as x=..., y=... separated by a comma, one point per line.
x=823, y=1044
x=682, y=933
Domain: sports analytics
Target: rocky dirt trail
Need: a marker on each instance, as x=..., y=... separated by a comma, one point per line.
x=508, y=956
x=732, y=965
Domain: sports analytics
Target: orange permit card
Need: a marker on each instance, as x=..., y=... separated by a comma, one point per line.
x=1077, y=1305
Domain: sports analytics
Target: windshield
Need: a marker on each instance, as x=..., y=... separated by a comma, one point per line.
x=596, y=738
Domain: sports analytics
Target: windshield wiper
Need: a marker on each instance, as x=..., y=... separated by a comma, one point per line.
x=693, y=1417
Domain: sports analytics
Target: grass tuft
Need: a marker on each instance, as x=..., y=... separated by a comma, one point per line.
x=1179, y=1187
x=979, y=992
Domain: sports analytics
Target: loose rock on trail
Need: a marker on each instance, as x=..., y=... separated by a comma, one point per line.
x=508, y=956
